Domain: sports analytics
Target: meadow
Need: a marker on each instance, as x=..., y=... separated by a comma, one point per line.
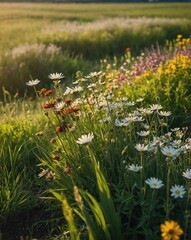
x=95, y=121
x=41, y=38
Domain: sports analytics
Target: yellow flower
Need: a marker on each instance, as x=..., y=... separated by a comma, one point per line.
x=170, y=230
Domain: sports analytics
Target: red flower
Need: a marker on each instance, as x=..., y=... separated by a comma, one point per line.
x=59, y=129
x=49, y=104
x=56, y=157
x=68, y=101
x=48, y=93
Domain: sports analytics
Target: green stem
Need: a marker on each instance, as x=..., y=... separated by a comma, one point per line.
x=187, y=212
x=168, y=189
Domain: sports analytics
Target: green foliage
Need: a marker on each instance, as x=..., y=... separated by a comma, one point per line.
x=35, y=61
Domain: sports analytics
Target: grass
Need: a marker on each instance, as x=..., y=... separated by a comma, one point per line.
x=77, y=161
x=22, y=22
x=80, y=165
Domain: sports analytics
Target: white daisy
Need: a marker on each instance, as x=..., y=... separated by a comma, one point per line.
x=187, y=173
x=141, y=147
x=139, y=99
x=56, y=76
x=43, y=172
x=177, y=191
x=154, y=183
x=85, y=138
x=164, y=113
x=143, y=133
x=134, y=168
x=170, y=151
x=145, y=111
x=155, y=107
x=33, y=82
x=60, y=105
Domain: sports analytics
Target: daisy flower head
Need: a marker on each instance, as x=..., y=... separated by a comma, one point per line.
x=154, y=183
x=33, y=82
x=134, y=168
x=85, y=138
x=177, y=191
x=56, y=76
x=143, y=133
x=170, y=230
x=170, y=151
x=141, y=147
x=155, y=107
x=187, y=174
x=164, y=113
x=60, y=105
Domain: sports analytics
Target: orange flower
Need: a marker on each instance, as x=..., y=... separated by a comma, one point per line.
x=170, y=230
x=48, y=93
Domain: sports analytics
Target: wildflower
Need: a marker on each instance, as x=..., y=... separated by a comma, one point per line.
x=56, y=76
x=48, y=93
x=155, y=107
x=67, y=169
x=68, y=101
x=49, y=104
x=50, y=175
x=154, y=183
x=39, y=133
x=59, y=129
x=42, y=91
x=85, y=138
x=43, y=172
x=143, y=133
x=141, y=147
x=176, y=143
x=187, y=174
x=145, y=111
x=52, y=140
x=33, y=82
x=56, y=157
x=177, y=191
x=170, y=152
x=170, y=230
x=60, y=105
x=164, y=113
x=175, y=129
x=139, y=99
x=134, y=168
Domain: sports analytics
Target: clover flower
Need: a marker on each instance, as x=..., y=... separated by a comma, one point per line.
x=154, y=183
x=56, y=76
x=170, y=230
x=33, y=82
x=85, y=138
x=187, y=174
x=177, y=191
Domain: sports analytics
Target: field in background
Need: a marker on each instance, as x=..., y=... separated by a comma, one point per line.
x=39, y=38
x=23, y=22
